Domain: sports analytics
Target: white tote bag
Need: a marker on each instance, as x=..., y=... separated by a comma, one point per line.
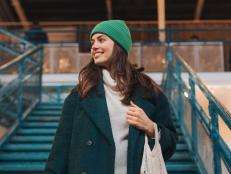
x=153, y=161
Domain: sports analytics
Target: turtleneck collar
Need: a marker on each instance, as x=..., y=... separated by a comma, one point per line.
x=107, y=79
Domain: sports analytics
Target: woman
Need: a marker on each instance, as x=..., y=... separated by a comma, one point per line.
x=106, y=116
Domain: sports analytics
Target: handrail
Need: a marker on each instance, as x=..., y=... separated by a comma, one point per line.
x=18, y=96
x=16, y=37
x=19, y=58
x=220, y=148
x=205, y=89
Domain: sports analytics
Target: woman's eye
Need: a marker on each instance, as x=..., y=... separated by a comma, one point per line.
x=101, y=40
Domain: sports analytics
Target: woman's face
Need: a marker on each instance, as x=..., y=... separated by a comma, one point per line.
x=101, y=49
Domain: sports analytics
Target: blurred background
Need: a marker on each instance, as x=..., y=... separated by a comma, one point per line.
x=185, y=45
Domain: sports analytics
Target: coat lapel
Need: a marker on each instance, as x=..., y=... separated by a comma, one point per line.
x=136, y=137
x=96, y=107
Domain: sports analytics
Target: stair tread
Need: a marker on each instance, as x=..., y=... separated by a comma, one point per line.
x=40, y=124
x=39, y=138
x=39, y=118
x=47, y=146
x=23, y=156
x=36, y=131
x=44, y=155
x=38, y=166
x=27, y=147
x=45, y=112
x=48, y=107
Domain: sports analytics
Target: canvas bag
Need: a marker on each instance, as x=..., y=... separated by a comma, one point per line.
x=153, y=161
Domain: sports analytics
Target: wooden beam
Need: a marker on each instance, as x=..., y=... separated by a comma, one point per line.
x=66, y=23
x=20, y=12
x=109, y=8
x=161, y=19
x=199, y=8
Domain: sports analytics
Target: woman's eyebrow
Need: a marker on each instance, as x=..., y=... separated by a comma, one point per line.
x=98, y=37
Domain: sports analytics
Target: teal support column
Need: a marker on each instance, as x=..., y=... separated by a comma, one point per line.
x=169, y=78
x=180, y=101
x=59, y=93
x=20, y=90
x=41, y=55
x=193, y=114
x=214, y=134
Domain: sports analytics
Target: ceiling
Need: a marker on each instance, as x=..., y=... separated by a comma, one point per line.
x=91, y=10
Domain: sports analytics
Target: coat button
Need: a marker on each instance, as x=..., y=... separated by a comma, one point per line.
x=84, y=173
x=89, y=143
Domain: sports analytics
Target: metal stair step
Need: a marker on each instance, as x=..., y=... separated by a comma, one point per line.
x=25, y=147
x=181, y=167
x=36, y=131
x=181, y=147
x=39, y=166
x=21, y=166
x=180, y=156
x=48, y=107
x=24, y=156
x=32, y=139
x=39, y=125
x=45, y=112
x=50, y=104
x=39, y=118
x=11, y=156
x=180, y=139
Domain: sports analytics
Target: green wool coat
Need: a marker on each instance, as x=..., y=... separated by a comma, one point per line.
x=84, y=143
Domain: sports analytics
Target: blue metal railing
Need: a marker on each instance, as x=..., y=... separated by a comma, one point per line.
x=12, y=43
x=182, y=86
x=55, y=93
x=20, y=87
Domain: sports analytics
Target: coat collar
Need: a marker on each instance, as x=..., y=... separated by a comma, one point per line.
x=96, y=107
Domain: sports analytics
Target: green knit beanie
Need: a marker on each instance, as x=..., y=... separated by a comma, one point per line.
x=117, y=30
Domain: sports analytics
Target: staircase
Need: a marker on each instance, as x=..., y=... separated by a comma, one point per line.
x=27, y=150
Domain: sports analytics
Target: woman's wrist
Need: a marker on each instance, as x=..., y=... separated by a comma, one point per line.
x=150, y=131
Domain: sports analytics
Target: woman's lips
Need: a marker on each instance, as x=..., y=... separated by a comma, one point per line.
x=97, y=54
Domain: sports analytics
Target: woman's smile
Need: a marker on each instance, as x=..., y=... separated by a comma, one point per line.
x=101, y=49
x=97, y=54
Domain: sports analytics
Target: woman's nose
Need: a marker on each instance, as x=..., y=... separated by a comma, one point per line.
x=94, y=45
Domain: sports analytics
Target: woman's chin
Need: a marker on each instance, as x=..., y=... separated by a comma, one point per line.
x=101, y=64
x=98, y=62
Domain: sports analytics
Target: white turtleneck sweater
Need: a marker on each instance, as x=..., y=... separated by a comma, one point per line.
x=117, y=113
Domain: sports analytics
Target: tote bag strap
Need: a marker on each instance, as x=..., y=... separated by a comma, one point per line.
x=156, y=140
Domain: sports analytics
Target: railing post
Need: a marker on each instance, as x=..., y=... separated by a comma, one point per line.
x=193, y=114
x=20, y=90
x=214, y=134
x=180, y=102
x=58, y=93
x=41, y=54
x=169, y=71
x=168, y=35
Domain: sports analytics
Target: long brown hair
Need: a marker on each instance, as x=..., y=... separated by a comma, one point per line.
x=126, y=75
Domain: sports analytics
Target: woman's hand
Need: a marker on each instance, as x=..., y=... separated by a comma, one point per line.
x=138, y=118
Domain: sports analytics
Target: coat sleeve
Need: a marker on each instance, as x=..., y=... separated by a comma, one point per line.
x=58, y=158
x=163, y=118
